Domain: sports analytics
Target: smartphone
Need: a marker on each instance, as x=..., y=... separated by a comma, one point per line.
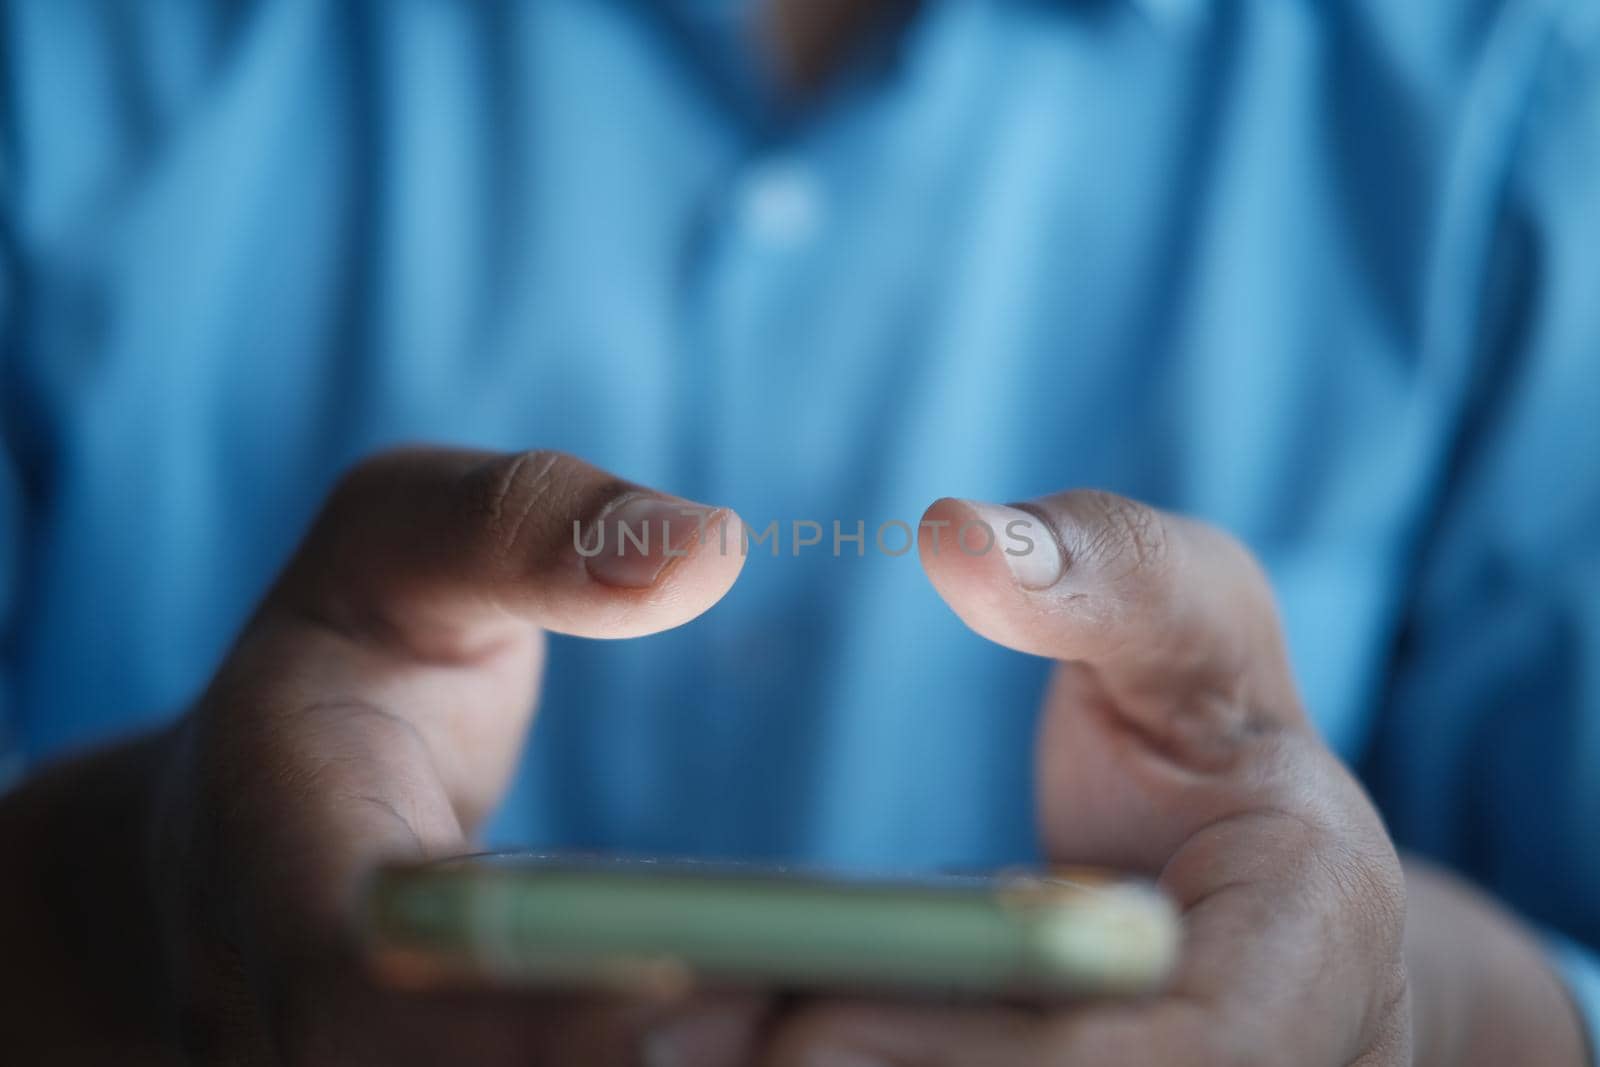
x=663, y=926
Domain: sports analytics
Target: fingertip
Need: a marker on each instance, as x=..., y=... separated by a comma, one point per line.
x=681, y=581
x=947, y=561
x=969, y=540
x=964, y=562
x=1001, y=569
x=715, y=559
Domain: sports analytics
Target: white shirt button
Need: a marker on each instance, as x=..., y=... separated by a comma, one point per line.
x=780, y=203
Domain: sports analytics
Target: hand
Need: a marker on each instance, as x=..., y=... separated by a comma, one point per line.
x=373, y=710
x=1172, y=743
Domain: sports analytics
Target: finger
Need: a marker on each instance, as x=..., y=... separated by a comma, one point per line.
x=570, y=1029
x=352, y=1027
x=866, y=1033
x=376, y=706
x=871, y=1034
x=1152, y=600
x=436, y=551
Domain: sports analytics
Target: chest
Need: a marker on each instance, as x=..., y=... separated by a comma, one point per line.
x=969, y=275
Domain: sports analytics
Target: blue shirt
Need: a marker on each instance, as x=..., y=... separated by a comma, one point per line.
x=1325, y=274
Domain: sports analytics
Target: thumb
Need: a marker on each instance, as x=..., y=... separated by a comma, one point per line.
x=415, y=606
x=432, y=552
x=1174, y=617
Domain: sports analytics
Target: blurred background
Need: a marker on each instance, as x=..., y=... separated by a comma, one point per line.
x=1324, y=274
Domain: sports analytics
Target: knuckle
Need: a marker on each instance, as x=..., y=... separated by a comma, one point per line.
x=505, y=493
x=1124, y=532
x=510, y=483
x=1369, y=882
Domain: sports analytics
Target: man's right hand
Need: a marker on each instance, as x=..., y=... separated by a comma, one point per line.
x=373, y=710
